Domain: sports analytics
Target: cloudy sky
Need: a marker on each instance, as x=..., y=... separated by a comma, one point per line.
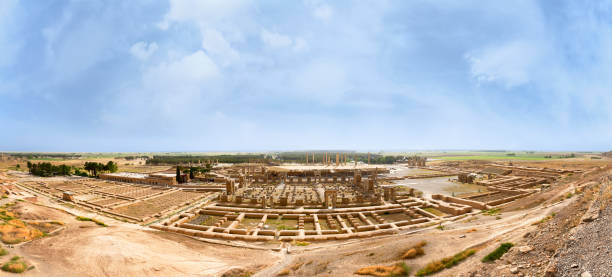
x=195, y=75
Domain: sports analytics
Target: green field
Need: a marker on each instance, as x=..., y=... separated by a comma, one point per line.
x=495, y=157
x=491, y=155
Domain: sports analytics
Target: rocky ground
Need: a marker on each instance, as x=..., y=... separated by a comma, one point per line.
x=576, y=241
x=588, y=251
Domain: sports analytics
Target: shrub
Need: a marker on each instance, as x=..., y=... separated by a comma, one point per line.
x=15, y=265
x=448, y=262
x=497, y=253
x=3, y=252
x=491, y=212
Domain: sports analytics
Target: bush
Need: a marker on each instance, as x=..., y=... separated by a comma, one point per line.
x=497, y=253
x=15, y=265
x=448, y=262
x=491, y=212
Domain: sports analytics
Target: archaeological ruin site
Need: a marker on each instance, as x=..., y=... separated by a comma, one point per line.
x=332, y=214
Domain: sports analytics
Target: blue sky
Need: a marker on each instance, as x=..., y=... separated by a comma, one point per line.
x=195, y=75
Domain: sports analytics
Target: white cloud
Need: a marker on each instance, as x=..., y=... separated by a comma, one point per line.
x=510, y=64
x=275, y=39
x=143, y=50
x=320, y=9
x=168, y=91
x=9, y=45
x=201, y=10
x=323, y=81
x=324, y=12
x=215, y=44
x=190, y=69
x=300, y=45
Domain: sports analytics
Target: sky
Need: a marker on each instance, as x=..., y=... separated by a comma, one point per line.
x=229, y=75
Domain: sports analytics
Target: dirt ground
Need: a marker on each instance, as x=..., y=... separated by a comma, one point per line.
x=122, y=249
x=543, y=222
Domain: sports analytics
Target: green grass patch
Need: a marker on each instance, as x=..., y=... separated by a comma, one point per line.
x=448, y=262
x=497, y=253
x=82, y=218
x=3, y=252
x=434, y=211
x=494, y=157
x=300, y=243
x=6, y=215
x=491, y=212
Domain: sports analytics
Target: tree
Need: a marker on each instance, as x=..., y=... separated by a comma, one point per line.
x=64, y=170
x=178, y=174
x=94, y=168
x=191, y=169
x=91, y=167
x=111, y=167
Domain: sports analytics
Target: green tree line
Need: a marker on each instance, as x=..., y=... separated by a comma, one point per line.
x=176, y=160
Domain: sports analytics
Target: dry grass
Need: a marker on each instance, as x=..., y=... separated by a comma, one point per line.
x=400, y=269
x=606, y=198
x=448, y=262
x=16, y=231
x=415, y=251
x=544, y=220
x=297, y=266
x=284, y=272
x=100, y=223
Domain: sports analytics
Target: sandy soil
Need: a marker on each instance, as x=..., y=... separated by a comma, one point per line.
x=123, y=249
